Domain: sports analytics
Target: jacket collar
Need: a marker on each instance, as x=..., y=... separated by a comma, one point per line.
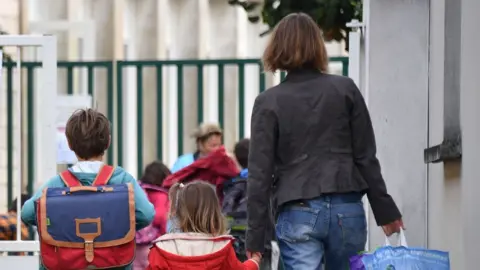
x=302, y=74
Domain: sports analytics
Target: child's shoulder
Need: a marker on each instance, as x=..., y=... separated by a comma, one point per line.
x=55, y=181
x=121, y=176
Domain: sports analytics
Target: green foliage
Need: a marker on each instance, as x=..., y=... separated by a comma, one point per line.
x=331, y=15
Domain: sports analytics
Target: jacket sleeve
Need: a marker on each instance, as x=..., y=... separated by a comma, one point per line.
x=364, y=150
x=144, y=211
x=235, y=264
x=260, y=170
x=162, y=206
x=28, y=210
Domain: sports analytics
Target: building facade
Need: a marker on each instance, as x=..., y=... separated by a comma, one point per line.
x=417, y=60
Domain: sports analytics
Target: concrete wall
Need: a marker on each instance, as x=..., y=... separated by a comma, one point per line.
x=444, y=183
x=396, y=89
x=470, y=112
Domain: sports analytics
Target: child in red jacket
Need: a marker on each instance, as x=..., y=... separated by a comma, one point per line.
x=203, y=243
x=151, y=182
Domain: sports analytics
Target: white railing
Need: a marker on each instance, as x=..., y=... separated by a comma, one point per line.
x=44, y=141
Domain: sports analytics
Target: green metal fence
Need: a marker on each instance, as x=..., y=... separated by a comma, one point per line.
x=28, y=69
x=115, y=99
x=180, y=65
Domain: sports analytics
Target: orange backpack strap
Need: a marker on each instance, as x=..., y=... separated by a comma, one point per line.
x=103, y=175
x=69, y=179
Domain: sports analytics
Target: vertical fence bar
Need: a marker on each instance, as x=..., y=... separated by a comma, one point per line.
x=241, y=100
x=261, y=81
x=119, y=69
x=199, y=93
x=180, y=108
x=30, y=130
x=90, y=80
x=221, y=94
x=110, y=111
x=70, y=80
x=139, y=120
x=9, y=133
x=30, y=138
x=159, y=112
x=345, y=67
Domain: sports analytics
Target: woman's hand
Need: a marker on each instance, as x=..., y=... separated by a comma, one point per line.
x=393, y=227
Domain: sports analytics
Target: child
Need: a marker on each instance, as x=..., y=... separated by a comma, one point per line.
x=88, y=135
x=201, y=243
x=151, y=182
x=235, y=206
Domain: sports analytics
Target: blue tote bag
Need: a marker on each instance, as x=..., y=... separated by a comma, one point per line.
x=404, y=258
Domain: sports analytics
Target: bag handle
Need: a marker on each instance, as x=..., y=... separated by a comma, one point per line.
x=402, y=240
x=87, y=188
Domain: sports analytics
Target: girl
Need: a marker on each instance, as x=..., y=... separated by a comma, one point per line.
x=151, y=182
x=200, y=241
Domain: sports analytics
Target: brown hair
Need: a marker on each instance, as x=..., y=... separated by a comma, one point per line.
x=296, y=43
x=88, y=133
x=241, y=150
x=155, y=173
x=196, y=208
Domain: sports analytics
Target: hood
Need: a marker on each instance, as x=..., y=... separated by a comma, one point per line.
x=217, y=165
x=192, y=244
x=86, y=171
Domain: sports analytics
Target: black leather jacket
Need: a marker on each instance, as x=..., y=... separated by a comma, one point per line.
x=314, y=133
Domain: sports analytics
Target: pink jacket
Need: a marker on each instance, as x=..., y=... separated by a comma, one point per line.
x=160, y=201
x=159, y=198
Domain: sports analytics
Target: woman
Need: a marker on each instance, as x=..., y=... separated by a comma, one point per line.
x=313, y=133
x=208, y=138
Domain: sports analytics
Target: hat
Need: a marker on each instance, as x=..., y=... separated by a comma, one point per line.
x=206, y=129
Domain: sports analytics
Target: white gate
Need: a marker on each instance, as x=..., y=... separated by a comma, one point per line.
x=44, y=141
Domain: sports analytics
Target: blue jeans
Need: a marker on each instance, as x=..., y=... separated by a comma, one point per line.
x=328, y=229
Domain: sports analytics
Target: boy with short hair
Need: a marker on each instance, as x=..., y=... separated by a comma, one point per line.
x=88, y=134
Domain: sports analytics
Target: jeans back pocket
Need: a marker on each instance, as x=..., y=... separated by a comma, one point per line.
x=354, y=230
x=296, y=223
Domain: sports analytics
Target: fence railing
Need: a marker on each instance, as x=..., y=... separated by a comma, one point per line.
x=114, y=100
x=29, y=69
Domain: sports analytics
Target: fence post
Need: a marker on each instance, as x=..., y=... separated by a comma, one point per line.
x=119, y=69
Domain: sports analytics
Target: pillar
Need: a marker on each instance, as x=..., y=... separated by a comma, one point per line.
x=444, y=178
x=108, y=17
x=145, y=40
x=396, y=89
x=183, y=44
x=225, y=43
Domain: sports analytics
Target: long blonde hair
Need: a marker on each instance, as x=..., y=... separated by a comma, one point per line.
x=196, y=208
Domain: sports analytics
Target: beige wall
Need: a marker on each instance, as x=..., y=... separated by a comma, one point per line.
x=9, y=15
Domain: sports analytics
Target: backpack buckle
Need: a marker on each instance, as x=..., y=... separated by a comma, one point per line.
x=90, y=236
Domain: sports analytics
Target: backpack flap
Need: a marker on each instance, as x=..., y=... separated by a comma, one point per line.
x=87, y=218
